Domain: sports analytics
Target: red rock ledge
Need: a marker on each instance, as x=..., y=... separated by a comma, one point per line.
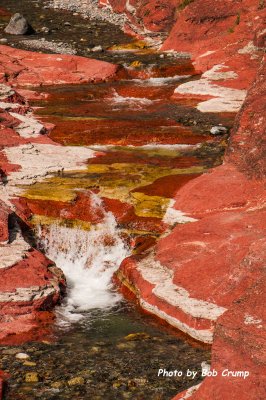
x=24, y=68
x=207, y=277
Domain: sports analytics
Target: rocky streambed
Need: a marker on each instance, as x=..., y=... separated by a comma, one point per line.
x=113, y=354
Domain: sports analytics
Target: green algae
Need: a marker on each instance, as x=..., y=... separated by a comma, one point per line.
x=148, y=150
x=69, y=223
x=136, y=45
x=149, y=206
x=44, y=220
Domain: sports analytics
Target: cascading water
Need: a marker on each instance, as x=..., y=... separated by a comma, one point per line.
x=88, y=260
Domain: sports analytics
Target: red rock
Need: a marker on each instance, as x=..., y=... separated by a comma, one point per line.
x=4, y=213
x=152, y=15
x=239, y=345
x=217, y=32
x=3, y=377
x=217, y=259
x=34, y=326
x=247, y=145
x=27, y=288
x=27, y=68
x=82, y=209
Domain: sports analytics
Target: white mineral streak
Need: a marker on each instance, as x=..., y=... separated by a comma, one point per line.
x=9, y=106
x=153, y=272
x=189, y=392
x=225, y=99
x=5, y=91
x=29, y=126
x=41, y=160
x=215, y=73
x=251, y=320
x=12, y=253
x=208, y=53
x=203, y=335
x=250, y=48
x=173, y=216
x=28, y=294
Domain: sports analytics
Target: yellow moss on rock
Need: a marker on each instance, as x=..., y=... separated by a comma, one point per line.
x=116, y=181
x=133, y=46
x=149, y=206
x=70, y=223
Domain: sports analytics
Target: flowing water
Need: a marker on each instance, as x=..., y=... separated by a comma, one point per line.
x=147, y=146
x=88, y=261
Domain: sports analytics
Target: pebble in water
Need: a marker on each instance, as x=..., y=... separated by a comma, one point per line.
x=22, y=356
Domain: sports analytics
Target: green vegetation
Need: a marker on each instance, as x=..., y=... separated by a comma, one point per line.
x=184, y=4
x=237, y=22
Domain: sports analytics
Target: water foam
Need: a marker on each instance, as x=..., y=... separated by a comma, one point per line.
x=88, y=260
x=134, y=103
x=161, y=81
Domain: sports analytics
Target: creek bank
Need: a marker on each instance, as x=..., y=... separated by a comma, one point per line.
x=22, y=68
x=25, y=294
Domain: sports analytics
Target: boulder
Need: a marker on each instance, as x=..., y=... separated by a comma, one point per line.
x=18, y=25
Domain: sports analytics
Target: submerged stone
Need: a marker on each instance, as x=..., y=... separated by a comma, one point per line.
x=22, y=356
x=78, y=380
x=137, y=336
x=218, y=130
x=31, y=377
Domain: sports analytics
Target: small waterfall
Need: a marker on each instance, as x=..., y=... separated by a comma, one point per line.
x=88, y=260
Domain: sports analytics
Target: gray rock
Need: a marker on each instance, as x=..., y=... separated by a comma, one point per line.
x=45, y=29
x=3, y=40
x=18, y=25
x=218, y=130
x=97, y=49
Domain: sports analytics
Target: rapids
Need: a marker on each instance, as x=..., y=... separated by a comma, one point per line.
x=88, y=260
